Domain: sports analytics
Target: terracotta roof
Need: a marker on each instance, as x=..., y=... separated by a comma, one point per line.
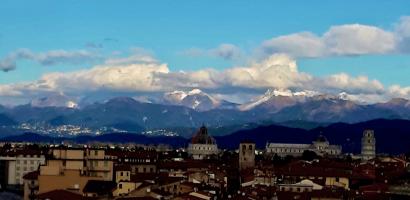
x=23, y=152
x=99, y=187
x=60, y=195
x=122, y=168
x=161, y=192
x=293, y=195
x=306, y=169
x=183, y=165
x=136, y=198
x=138, y=154
x=140, y=177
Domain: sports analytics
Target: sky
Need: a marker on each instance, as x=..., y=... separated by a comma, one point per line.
x=228, y=48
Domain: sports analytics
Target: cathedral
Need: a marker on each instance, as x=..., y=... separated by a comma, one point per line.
x=320, y=146
x=202, y=145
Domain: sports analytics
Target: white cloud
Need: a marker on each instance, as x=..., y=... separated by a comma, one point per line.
x=304, y=44
x=343, y=40
x=53, y=57
x=398, y=91
x=359, y=84
x=277, y=71
x=141, y=72
x=9, y=91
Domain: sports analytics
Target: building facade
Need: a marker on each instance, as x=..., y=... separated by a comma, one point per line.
x=71, y=169
x=368, y=145
x=202, y=145
x=18, y=163
x=320, y=146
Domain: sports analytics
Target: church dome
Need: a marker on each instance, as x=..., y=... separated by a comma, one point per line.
x=321, y=138
x=202, y=137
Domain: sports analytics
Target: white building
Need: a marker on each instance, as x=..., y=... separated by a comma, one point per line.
x=320, y=146
x=18, y=163
x=202, y=145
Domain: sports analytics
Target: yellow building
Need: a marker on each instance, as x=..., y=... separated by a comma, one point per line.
x=338, y=181
x=69, y=168
x=123, y=180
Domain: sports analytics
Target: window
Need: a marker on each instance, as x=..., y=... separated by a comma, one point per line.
x=31, y=161
x=120, y=186
x=244, y=147
x=96, y=153
x=250, y=147
x=121, y=174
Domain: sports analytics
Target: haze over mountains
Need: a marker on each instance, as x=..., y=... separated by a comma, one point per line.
x=180, y=110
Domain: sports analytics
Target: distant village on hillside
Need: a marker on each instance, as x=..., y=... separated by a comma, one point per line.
x=202, y=171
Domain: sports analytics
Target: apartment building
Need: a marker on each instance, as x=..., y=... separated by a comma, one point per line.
x=17, y=163
x=69, y=168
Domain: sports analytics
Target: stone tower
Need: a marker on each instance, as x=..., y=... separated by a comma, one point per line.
x=368, y=145
x=246, y=155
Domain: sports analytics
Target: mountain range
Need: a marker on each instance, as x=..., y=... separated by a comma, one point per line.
x=392, y=136
x=186, y=110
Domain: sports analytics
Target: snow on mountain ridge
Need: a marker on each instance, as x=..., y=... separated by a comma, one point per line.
x=271, y=93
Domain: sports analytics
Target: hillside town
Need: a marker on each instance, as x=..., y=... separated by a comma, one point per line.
x=202, y=171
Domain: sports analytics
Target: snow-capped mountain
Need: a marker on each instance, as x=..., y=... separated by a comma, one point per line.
x=197, y=100
x=55, y=100
x=276, y=100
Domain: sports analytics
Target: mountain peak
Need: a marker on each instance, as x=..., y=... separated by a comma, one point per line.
x=54, y=100
x=278, y=98
x=195, y=91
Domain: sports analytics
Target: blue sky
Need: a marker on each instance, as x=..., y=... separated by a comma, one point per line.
x=168, y=29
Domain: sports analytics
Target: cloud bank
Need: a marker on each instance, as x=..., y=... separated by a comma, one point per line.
x=142, y=72
x=49, y=58
x=343, y=40
x=148, y=75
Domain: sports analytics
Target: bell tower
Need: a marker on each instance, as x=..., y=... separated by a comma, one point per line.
x=368, y=145
x=246, y=155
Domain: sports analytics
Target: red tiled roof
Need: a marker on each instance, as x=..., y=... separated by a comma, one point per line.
x=183, y=164
x=306, y=169
x=60, y=195
x=122, y=168
x=139, y=154
x=140, y=177
x=23, y=152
